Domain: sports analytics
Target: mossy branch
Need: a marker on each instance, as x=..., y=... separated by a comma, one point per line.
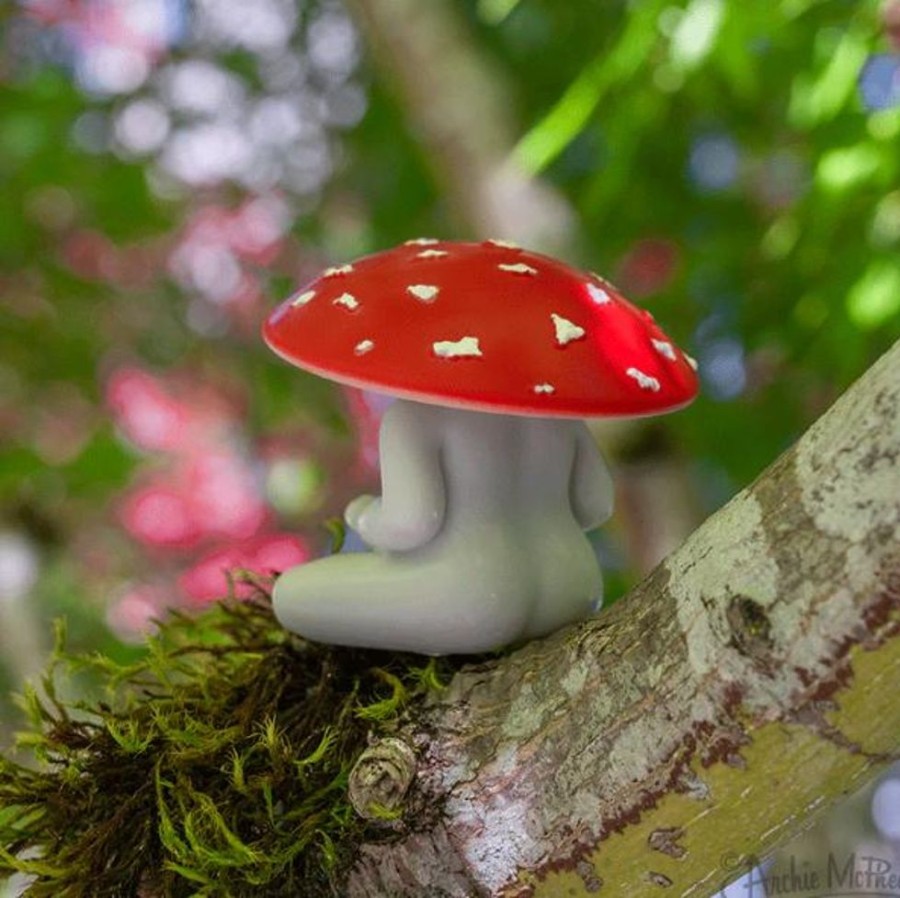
x=216, y=765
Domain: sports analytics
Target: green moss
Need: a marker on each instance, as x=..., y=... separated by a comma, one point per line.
x=216, y=765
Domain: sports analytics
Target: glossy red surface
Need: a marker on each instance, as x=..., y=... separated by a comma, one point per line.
x=551, y=340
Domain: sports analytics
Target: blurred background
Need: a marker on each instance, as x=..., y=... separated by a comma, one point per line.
x=171, y=169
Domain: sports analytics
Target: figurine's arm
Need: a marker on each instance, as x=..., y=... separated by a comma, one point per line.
x=411, y=509
x=591, y=489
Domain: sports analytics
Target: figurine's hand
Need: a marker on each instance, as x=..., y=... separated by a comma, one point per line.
x=368, y=516
x=354, y=511
x=364, y=514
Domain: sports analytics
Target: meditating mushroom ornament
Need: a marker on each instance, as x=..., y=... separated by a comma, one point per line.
x=489, y=476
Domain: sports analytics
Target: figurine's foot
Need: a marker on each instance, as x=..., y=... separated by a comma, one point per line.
x=388, y=602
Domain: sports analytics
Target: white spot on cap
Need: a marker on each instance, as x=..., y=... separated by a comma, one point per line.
x=504, y=244
x=422, y=241
x=348, y=301
x=598, y=294
x=566, y=331
x=425, y=292
x=364, y=346
x=644, y=381
x=544, y=388
x=303, y=298
x=453, y=349
x=431, y=254
x=337, y=269
x=517, y=268
x=663, y=347
x=690, y=360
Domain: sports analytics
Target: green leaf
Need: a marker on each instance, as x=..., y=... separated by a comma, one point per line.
x=565, y=121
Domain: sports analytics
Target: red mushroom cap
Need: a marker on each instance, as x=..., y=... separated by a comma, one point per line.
x=487, y=326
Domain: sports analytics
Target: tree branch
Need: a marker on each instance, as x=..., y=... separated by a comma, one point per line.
x=739, y=691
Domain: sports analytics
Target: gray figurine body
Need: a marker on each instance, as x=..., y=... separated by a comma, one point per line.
x=489, y=477
x=478, y=537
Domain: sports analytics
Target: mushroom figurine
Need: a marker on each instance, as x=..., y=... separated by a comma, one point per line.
x=489, y=476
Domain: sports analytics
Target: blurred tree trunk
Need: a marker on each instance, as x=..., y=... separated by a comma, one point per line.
x=457, y=106
x=742, y=689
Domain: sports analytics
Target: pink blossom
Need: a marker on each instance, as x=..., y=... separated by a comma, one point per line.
x=159, y=516
x=131, y=615
x=216, y=243
x=272, y=553
x=256, y=229
x=209, y=493
x=167, y=414
x=222, y=493
x=146, y=413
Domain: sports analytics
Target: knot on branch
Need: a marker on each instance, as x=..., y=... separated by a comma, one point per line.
x=380, y=779
x=751, y=630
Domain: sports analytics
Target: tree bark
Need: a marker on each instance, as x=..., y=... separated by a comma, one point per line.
x=714, y=712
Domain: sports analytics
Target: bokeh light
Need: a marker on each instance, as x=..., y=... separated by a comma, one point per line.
x=714, y=162
x=132, y=613
x=879, y=81
x=19, y=566
x=723, y=368
x=886, y=809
